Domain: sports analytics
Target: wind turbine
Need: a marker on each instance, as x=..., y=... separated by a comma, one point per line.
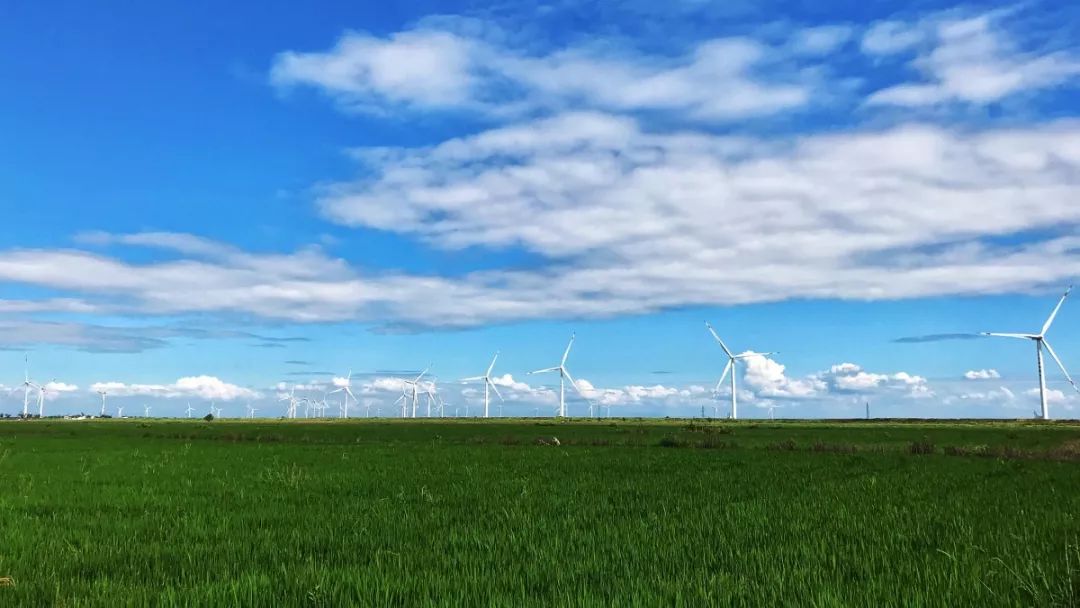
x=415, y=390
x=189, y=409
x=432, y=394
x=771, y=408
x=41, y=401
x=251, y=411
x=1040, y=342
x=347, y=389
x=488, y=384
x=564, y=375
x=103, y=393
x=730, y=367
x=27, y=385
x=293, y=402
x=146, y=411
x=119, y=411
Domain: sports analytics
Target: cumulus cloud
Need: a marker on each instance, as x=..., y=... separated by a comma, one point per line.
x=971, y=60
x=852, y=378
x=820, y=40
x=54, y=389
x=429, y=68
x=890, y=37
x=982, y=374
x=767, y=377
x=201, y=387
x=1053, y=395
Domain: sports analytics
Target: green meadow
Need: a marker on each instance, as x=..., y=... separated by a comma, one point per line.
x=526, y=513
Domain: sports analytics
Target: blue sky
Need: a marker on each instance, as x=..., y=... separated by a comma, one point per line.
x=214, y=202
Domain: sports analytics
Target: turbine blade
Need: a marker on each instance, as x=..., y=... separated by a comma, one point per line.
x=421, y=374
x=753, y=354
x=492, y=366
x=573, y=383
x=727, y=368
x=545, y=370
x=1018, y=336
x=1060, y=364
x=937, y=338
x=567, y=352
x=472, y=379
x=1050, y=319
x=718, y=340
x=496, y=389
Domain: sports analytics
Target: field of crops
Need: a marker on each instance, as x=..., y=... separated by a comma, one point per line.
x=619, y=513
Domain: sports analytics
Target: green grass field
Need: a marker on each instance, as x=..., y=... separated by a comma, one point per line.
x=456, y=513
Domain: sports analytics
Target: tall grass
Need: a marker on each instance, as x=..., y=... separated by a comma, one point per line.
x=391, y=513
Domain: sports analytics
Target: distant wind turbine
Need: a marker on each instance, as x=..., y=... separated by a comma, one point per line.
x=415, y=384
x=564, y=375
x=1040, y=343
x=189, y=409
x=146, y=411
x=103, y=393
x=488, y=384
x=731, y=367
x=346, y=389
x=41, y=401
x=27, y=385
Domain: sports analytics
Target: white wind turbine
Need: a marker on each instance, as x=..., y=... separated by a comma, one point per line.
x=189, y=409
x=731, y=367
x=488, y=384
x=41, y=401
x=432, y=393
x=415, y=384
x=564, y=375
x=27, y=385
x=103, y=393
x=146, y=411
x=1040, y=342
x=293, y=402
x=119, y=411
x=403, y=399
x=251, y=411
x=347, y=390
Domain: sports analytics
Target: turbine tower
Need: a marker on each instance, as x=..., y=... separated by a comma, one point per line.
x=188, y=410
x=415, y=384
x=488, y=384
x=1040, y=343
x=564, y=375
x=730, y=367
x=41, y=401
x=103, y=393
x=347, y=389
x=27, y=385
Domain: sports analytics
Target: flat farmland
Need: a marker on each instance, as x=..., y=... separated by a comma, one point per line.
x=537, y=513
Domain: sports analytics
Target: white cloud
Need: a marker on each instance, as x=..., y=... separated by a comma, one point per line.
x=851, y=378
x=201, y=387
x=971, y=60
x=768, y=379
x=623, y=221
x=506, y=380
x=982, y=374
x=425, y=67
x=1053, y=395
x=720, y=79
x=821, y=40
x=54, y=388
x=890, y=37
